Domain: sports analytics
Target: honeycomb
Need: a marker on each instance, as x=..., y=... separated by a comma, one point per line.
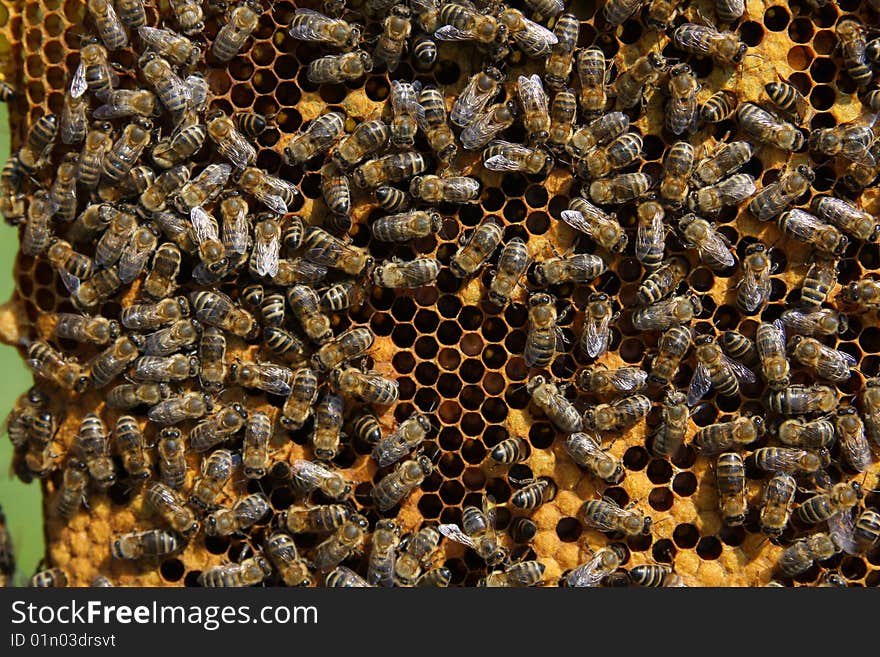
x=454, y=355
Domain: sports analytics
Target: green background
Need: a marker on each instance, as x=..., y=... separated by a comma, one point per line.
x=20, y=502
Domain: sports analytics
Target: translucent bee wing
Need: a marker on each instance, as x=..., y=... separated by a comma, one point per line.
x=155, y=38
x=309, y=472
x=841, y=526
x=310, y=32
x=470, y=102
x=586, y=442
x=70, y=281
x=150, y=368
x=265, y=256
x=802, y=225
x=598, y=335
x=275, y=379
x=578, y=221
x=215, y=175
x=714, y=250
x=849, y=359
x=237, y=150
x=78, y=86
x=611, y=510
x=699, y=386
x=204, y=225
x=451, y=33
x=629, y=379
x=454, y=533
x=649, y=238
x=108, y=111
x=536, y=40
x=135, y=258
x=740, y=371
x=501, y=163
x=531, y=93
x=587, y=575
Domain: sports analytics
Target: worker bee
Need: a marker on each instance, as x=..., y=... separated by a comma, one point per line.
x=577, y=268
x=714, y=369
x=871, y=407
x=401, y=442
x=753, y=289
x=134, y=259
x=866, y=530
x=368, y=137
x=347, y=346
x=770, y=344
x=391, y=199
x=319, y=136
x=818, y=283
x=62, y=193
x=250, y=572
x=461, y=22
x=130, y=445
x=393, y=168
x=509, y=451
x=650, y=248
x=255, y=449
x=74, y=119
x=112, y=362
x=132, y=13
x=617, y=12
x=601, y=564
x=309, y=25
x=787, y=98
x=669, y=436
x=149, y=544
x=310, y=476
x=298, y=407
x=828, y=363
x=217, y=428
x=406, y=226
x=521, y=574
x=722, y=436
x=602, y=161
x=305, y=306
x=231, y=144
x=722, y=47
x=54, y=578
x=854, y=445
x=317, y=519
x=72, y=492
x=396, y=30
x=620, y=188
x=241, y=23
x=595, y=223
x=662, y=282
x=327, y=431
x=177, y=49
x=727, y=160
x=171, y=91
x=840, y=498
x=602, y=381
x=202, y=189
x=107, y=24
x=366, y=428
x=126, y=102
x=210, y=249
x=187, y=406
x=478, y=533
x=336, y=69
x=341, y=296
x=18, y=422
x=720, y=106
x=563, y=112
x=183, y=143
x=512, y=264
x=171, y=339
x=424, y=53
x=543, y=335
x=618, y=415
x=112, y=243
x=533, y=494
x=216, y=471
x=431, y=119
x=449, y=189
x=131, y=395
x=800, y=555
x=667, y=313
x=38, y=230
x=367, y=387
x=93, y=72
x=853, y=44
x=778, y=196
x=189, y=16
x=276, y=194
x=790, y=459
x=769, y=129
x=406, y=477
x=547, y=397
x=811, y=435
x=596, y=334
x=777, y=503
x=728, y=192
x=593, y=76
x=281, y=550
x=246, y=511
x=91, y=446
x=476, y=249
x=506, y=156
x=487, y=124
x=863, y=293
x=478, y=91
x=861, y=174
x=587, y=452
x=102, y=285
x=405, y=108
x=632, y=81
x=803, y=399
x=81, y=328
x=154, y=198
x=415, y=550
x=268, y=377
x=383, y=551
x=607, y=516
x=217, y=309
x=681, y=110
x=677, y=166
x=860, y=224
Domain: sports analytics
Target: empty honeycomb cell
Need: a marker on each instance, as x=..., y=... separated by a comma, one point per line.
x=568, y=530
x=685, y=536
x=659, y=471
x=537, y=223
x=430, y=505
x=661, y=499
x=823, y=69
x=471, y=397
x=800, y=30
x=776, y=18
x=800, y=57
x=684, y=484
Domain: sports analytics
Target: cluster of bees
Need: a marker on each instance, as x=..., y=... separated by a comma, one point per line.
x=211, y=259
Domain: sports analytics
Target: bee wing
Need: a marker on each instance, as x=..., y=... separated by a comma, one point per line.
x=856, y=144
x=454, y=533
x=501, y=163
x=70, y=281
x=277, y=378
x=150, y=368
x=802, y=225
x=650, y=237
x=578, y=221
x=307, y=272
x=629, y=379
x=754, y=289
x=311, y=30
x=697, y=38
x=78, y=86
x=535, y=39
x=272, y=197
x=471, y=101
x=204, y=225
x=740, y=371
x=110, y=111
x=587, y=575
x=451, y=33
x=215, y=175
x=715, y=250
x=612, y=511
x=532, y=94
x=587, y=442
x=265, y=256
x=598, y=335
x=699, y=386
x=134, y=259
x=236, y=234
x=156, y=38
x=237, y=150
x=841, y=526
x=309, y=472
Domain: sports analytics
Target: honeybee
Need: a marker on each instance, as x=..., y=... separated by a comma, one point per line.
x=134, y=259
x=202, y=189
x=722, y=47
x=601, y=564
x=406, y=226
x=602, y=161
x=396, y=30
x=618, y=415
x=854, y=445
x=336, y=69
x=803, y=399
x=862, y=173
x=853, y=44
x=216, y=471
x=415, y=273
x=112, y=362
x=131, y=395
x=548, y=398
x=391, y=199
x=596, y=334
x=777, y=196
x=464, y=23
x=393, y=168
x=811, y=435
x=231, y=144
x=432, y=121
x=383, y=551
x=522, y=574
x=187, y=406
x=871, y=407
x=72, y=491
x=309, y=25
x=787, y=98
x=450, y=189
x=81, y=328
x=577, y=268
x=587, y=452
x=189, y=16
x=415, y=550
x=595, y=223
x=38, y=230
x=107, y=24
x=305, y=306
x=180, y=146
x=472, y=100
x=728, y=192
x=246, y=511
x=818, y=283
x=167, y=341
x=543, y=334
x=49, y=578
x=172, y=459
x=563, y=112
x=298, y=407
x=18, y=422
x=368, y=137
x=177, y=49
x=91, y=445
x=799, y=556
x=249, y=572
x=74, y=119
x=130, y=444
x=840, y=498
x=487, y=124
x=241, y=23
x=593, y=76
x=722, y=436
x=720, y=106
x=681, y=110
x=401, y=442
x=790, y=459
x=828, y=363
x=154, y=198
x=217, y=309
x=404, y=108
x=406, y=477
x=93, y=72
x=770, y=345
x=863, y=293
x=62, y=193
x=268, y=377
x=620, y=188
x=327, y=431
x=476, y=249
x=753, y=289
x=319, y=136
x=424, y=53
x=677, y=166
x=281, y=550
x=777, y=504
x=533, y=494
x=506, y=156
x=171, y=91
x=367, y=387
x=103, y=284
x=607, y=516
x=149, y=544
x=667, y=313
x=616, y=12
x=725, y=161
x=110, y=246
x=662, y=282
x=769, y=129
x=632, y=81
x=126, y=102
x=860, y=224
x=217, y=428
x=866, y=531
x=509, y=451
x=669, y=436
